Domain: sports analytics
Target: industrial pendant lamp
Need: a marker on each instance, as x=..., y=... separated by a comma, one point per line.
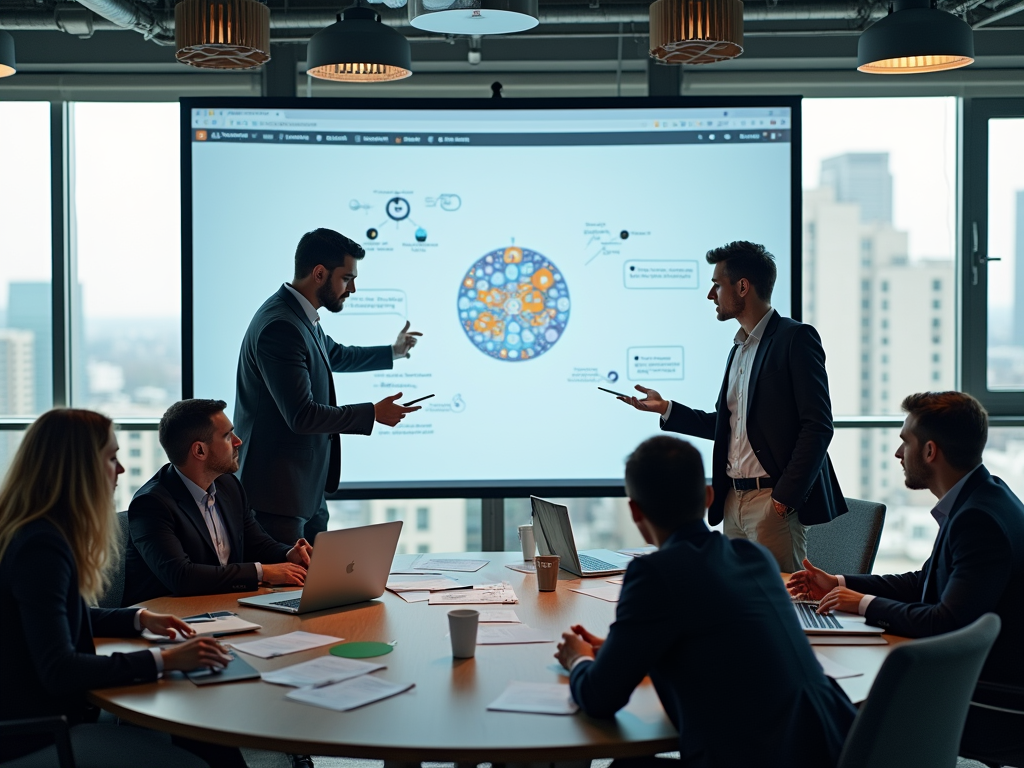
x=696, y=31
x=359, y=48
x=474, y=17
x=915, y=37
x=222, y=34
x=7, y=65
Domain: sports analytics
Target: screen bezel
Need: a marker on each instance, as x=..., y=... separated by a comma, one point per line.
x=475, y=488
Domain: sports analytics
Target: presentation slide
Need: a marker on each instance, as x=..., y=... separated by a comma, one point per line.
x=542, y=253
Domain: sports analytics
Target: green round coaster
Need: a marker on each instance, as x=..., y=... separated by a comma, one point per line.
x=361, y=650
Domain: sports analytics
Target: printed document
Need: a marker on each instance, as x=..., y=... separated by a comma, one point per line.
x=499, y=616
x=293, y=642
x=538, y=698
x=609, y=593
x=450, y=565
x=322, y=671
x=350, y=693
x=481, y=593
x=508, y=634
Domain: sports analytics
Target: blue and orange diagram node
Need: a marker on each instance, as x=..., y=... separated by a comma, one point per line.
x=514, y=304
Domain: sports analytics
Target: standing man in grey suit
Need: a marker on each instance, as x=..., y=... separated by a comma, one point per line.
x=286, y=410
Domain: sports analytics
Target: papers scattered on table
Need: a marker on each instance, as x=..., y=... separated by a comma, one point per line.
x=510, y=634
x=846, y=640
x=220, y=624
x=428, y=583
x=349, y=694
x=609, y=593
x=638, y=551
x=526, y=567
x=450, y=565
x=319, y=672
x=293, y=642
x=414, y=597
x=479, y=594
x=537, y=698
x=503, y=616
x=834, y=669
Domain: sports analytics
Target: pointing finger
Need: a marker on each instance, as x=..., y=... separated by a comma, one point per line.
x=407, y=324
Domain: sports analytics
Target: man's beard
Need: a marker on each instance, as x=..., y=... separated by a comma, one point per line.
x=739, y=304
x=227, y=466
x=915, y=476
x=328, y=299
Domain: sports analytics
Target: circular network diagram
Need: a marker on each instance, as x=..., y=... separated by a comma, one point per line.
x=514, y=304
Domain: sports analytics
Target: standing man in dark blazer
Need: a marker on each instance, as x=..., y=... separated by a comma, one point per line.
x=286, y=409
x=976, y=566
x=699, y=594
x=192, y=531
x=772, y=424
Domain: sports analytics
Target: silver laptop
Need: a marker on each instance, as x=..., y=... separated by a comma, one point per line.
x=347, y=566
x=831, y=623
x=553, y=532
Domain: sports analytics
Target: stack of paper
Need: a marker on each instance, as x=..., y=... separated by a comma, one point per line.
x=349, y=694
x=293, y=642
x=322, y=671
x=479, y=594
x=537, y=698
x=420, y=583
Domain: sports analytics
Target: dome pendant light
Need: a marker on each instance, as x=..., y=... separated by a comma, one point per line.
x=474, y=17
x=222, y=34
x=696, y=31
x=358, y=48
x=7, y=65
x=915, y=37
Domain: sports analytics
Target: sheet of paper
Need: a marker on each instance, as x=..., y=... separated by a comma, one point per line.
x=293, y=642
x=537, y=698
x=349, y=694
x=510, y=634
x=450, y=565
x=834, y=669
x=846, y=640
x=505, y=616
x=223, y=625
x=429, y=583
x=414, y=597
x=638, y=551
x=525, y=567
x=609, y=593
x=616, y=580
x=478, y=595
x=322, y=671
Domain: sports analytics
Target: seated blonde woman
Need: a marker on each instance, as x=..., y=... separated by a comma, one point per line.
x=58, y=542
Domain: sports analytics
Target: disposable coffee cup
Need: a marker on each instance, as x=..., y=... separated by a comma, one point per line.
x=462, y=624
x=528, y=542
x=547, y=572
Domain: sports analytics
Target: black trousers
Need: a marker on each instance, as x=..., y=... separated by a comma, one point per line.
x=288, y=530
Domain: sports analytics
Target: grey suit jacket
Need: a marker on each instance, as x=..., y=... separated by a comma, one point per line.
x=286, y=410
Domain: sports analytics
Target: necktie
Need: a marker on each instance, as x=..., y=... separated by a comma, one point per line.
x=209, y=502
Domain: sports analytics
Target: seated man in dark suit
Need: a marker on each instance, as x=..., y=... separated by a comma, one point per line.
x=976, y=565
x=709, y=620
x=192, y=531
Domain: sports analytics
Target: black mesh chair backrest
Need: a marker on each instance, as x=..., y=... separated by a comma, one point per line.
x=112, y=597
x=915, y=712
x=849, y=543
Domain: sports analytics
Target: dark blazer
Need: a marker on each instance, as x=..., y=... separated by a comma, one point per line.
x=47, y=658
x=170, y=551
x=709, y=620
x=789, y=423
x=976, y=567
x=286, y=410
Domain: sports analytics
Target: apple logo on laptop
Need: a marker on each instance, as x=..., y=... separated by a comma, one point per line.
x=350, y=567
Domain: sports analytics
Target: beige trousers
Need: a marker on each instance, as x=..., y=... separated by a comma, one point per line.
x=751, y=515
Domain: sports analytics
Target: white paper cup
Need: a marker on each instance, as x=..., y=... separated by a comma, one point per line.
x=528, y=541
x=462, y=624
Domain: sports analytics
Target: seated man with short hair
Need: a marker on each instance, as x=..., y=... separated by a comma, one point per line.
x=192, y=531
x=709, y=620
x=976, y=566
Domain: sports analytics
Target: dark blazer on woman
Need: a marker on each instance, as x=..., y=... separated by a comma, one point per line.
x=47, y=658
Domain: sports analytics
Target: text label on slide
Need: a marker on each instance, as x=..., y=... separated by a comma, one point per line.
x=655, y=363
x=377, y=302
x=660, y=274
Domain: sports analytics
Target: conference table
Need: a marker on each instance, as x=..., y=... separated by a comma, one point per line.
x=444, y=717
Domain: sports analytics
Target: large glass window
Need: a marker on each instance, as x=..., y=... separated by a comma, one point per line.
x=428, y=525
x=1005, y=255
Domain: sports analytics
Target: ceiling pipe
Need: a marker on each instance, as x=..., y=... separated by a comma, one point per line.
x=127, y=15
x=1002, y=13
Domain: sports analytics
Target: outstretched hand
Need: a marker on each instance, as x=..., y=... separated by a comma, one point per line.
x=405, y=342
x=652, y=401
x=812, y=582
x=388, y=412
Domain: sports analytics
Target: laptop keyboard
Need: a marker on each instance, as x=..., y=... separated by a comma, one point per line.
x=288, y=603
x=589, y=563
x=810, y=619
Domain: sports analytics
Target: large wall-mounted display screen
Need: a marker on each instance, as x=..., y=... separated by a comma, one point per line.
x=543, y=250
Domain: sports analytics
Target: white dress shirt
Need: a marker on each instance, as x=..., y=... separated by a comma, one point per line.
x=741, y=459
x=940, y=512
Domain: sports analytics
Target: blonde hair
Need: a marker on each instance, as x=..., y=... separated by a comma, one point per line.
x=57, y=475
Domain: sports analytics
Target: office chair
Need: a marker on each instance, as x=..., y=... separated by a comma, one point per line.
x=849, y=543
x=96, y=746
x=112, y=597
x=915, y=712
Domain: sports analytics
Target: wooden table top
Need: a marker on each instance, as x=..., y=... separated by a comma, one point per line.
x=444, y=717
